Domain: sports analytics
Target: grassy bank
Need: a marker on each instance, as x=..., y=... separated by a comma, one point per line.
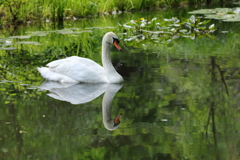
x=23, y=11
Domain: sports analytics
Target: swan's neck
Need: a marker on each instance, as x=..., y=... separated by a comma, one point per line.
x=106, y=58
x=111, y=73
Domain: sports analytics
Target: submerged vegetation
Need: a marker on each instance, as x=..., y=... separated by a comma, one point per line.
x=24, y=11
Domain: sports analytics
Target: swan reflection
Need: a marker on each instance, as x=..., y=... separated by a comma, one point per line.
x=85, y=92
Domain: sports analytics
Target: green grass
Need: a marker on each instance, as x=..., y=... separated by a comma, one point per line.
x=21, y=11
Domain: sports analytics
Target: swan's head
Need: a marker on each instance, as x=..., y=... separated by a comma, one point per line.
x=112, y=38
x=113, y=124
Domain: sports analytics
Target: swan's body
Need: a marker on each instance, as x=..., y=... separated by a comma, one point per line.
x=77, y=69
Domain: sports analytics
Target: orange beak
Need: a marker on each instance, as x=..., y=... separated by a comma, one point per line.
x=117, y=45
x=117, y=119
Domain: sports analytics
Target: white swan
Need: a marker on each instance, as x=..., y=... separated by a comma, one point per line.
x=85, y=92
x=77, y=69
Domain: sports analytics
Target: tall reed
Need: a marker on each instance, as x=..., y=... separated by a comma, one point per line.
x=57, y=10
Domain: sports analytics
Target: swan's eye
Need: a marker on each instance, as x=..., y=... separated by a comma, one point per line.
x=115, y=39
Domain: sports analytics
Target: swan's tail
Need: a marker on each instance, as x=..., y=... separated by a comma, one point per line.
x=44, y=72
x=53, y=76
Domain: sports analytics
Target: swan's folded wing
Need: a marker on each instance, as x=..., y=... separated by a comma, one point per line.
x=80, y=69
x=61, y=61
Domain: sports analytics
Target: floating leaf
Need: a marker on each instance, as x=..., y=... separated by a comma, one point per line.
x=109, y=27
x=9, y=48
x=203, y=11
x=28, y=42
x=65, y=31
x=183, y=30
x=21, y=37
x=236, y=10
x=234, y=19
x=42, y=34
x=224, y=14
x=79, y=32
x=90, y=28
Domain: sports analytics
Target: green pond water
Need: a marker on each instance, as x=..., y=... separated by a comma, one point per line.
x=177, y=102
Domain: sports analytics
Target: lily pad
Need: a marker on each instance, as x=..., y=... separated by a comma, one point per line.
x=109, y=27
x=68, y=31
x=8, y=48
x=75, y=28
x=79, y=32
x=224, y=14
x=235, y=19
x=7, y=44
x=28, y=42
x=65, y=31
x=203, y=11
x=21, y=37
x=236, y=10
x=40, y=33
x=3, y=40
x=93, y=28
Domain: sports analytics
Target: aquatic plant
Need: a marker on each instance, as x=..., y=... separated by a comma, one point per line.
x=14, y=8
x=185, y=2
x=56, y=10
x=224, y=14
x=20, y=11
x=166, y=30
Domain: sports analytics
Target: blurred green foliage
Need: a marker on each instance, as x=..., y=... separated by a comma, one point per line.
x=23, y=11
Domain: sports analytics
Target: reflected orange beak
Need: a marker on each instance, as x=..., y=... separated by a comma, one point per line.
x=117, y=119
x=117, y=45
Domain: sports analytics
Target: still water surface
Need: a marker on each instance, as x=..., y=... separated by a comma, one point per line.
x=177, y=102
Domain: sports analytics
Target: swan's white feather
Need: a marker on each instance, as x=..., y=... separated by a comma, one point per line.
x=53, y=76
x=73, y=70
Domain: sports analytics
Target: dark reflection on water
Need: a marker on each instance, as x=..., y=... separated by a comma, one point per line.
x=74, y=93
x=85, y=92
x=178, y=102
